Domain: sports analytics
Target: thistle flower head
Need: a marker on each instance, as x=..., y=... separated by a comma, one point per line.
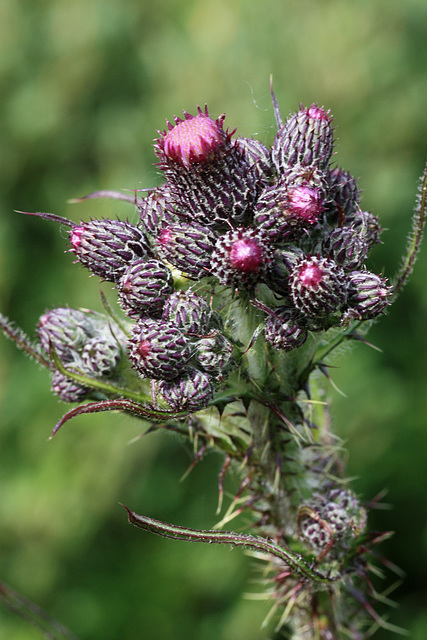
x=187, y=247
x=285, y=329
x=346, y=247
x=241, y=257
x=158, y=350
x=318, y=286
x=66, y=389
x=67, y=330
x=343, y=191
x=100, y=356
x=331, y=519
x=258, y=157
x=306, y=138
x=144, y=287
x=106, y=247
x=157, y=210
x=305, y=204
x=191, y=391
x=369, y=295
x=192, y=140
x=213, y=353
x=188, y=311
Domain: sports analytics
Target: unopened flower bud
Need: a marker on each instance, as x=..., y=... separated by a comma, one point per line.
x=156, y=210
x=318, y=286
x=258, y=157
x=241, y=257
x=144, y=287
x=343, y=192
x=68, y=390
x=285, y=329
x=106, y=247
x=187, y=247
x=189, y=392
x=330, y=519
x=67, y=330
x=346, y=247
x=369, y=295
x=366, y=224
x=101, y=356
x=158, y=349
x=285, y=208
x=306, y=138
x=188, y=311
x=213, y=352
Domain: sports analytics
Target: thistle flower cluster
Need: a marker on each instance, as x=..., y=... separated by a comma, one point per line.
x=236, y=212
x=241, y=254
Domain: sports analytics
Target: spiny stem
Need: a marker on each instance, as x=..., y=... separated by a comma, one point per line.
x=296, y=563
x=21, y=340
x=415, y=237
x=127, y=406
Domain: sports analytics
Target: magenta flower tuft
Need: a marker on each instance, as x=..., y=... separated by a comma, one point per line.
x=195, y=139
x=241, y=257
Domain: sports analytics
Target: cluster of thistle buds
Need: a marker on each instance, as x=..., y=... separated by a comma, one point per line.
x=233, y=212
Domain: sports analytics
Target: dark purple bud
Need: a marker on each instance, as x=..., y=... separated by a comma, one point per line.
x=68, y=390
x=213, y=353
x=188, y=247
x=368, y=296
x=156, y=210
x=285, y=329
x=188, y=311
x=318, y=286
x=366, y=224
x=158, y=349
x=209, y=178
x=346, y=247
x=241, y=257
x=258, y=157
x=344, y=194
x=144, y=287
x=106, y=247
x=189, y=392
x=306, y=138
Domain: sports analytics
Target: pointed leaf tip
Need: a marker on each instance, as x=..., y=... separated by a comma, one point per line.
x=48, y=216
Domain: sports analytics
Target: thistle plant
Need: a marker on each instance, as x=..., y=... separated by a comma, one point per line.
x=245, y=275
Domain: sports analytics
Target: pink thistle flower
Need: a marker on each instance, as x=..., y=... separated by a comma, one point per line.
x=193, y=139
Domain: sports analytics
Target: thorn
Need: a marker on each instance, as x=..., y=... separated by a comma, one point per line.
x=323, y=369
x=277, y=115
x=199, y=455
x=356, y=336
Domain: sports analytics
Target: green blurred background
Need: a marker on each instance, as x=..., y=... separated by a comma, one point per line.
x=84, y=85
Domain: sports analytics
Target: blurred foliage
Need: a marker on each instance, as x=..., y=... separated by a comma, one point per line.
x=84, y=85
